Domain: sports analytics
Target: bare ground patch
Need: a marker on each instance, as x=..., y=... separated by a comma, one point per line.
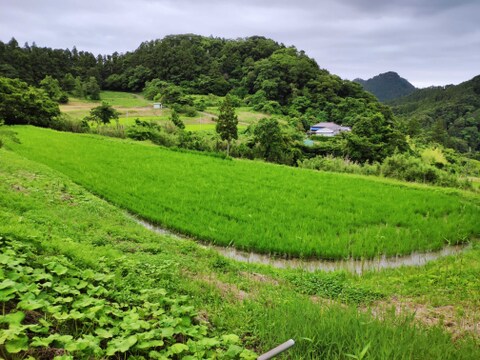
x=458, y=322
x=259, y=278
x=226, y=289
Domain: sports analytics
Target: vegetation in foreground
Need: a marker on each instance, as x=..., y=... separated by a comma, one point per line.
x=231, y=202
x=54, y=309
x=262, y=305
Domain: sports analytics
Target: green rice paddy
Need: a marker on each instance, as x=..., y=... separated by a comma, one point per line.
x=257, y=206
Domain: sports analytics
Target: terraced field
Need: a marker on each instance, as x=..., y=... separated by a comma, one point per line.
x=134, y=106
x=257, y=206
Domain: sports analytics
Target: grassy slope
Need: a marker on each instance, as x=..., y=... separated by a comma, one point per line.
x=259, y=303
x=259, y=206
x=135, y=106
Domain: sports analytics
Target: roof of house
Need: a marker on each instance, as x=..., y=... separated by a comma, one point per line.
x=331, y=126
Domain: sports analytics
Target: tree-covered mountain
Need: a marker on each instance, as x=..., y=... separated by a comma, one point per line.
x=264, y=74
x=449, y=115
x=387, y=86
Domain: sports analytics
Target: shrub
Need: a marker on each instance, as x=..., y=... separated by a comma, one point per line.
x=65, y=123
x=398, y=166
x=188, y=110
x=409, y=168
x=335, y=164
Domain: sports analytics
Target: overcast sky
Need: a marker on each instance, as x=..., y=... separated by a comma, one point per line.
x=428, y=42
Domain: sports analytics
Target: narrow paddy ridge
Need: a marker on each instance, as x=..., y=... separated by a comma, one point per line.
x=256, y=206
x=356, y=266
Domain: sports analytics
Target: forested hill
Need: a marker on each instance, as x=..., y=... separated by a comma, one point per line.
x=387, y=86
x=282, y=78
x=449, y=115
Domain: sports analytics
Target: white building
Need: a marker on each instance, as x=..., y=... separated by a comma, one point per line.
x=328, y=129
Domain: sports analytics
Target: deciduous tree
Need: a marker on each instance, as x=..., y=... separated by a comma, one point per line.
x=103, y=113
x=24, y=104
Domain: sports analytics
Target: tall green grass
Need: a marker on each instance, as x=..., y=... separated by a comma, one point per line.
x=334, y=332
x=258, y=206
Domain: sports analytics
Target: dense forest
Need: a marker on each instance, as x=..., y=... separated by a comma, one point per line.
x=279, y=78
x=448, y=115
x=387, y=86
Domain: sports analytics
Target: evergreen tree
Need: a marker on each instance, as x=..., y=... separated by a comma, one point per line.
x=68, y=83
x=227, y=123
x=92, y=89
x=268, y=137
x=53, y=89
x=78, y=90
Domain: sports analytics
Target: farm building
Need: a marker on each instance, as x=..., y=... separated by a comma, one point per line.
x=328, y=129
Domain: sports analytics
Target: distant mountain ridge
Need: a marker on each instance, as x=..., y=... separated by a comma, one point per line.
x=447, y=115
x=387, y=86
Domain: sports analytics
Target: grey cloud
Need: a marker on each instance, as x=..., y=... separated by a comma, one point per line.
x=427, y=42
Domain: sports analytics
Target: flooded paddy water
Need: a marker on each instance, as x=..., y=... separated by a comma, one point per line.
x=357, y=266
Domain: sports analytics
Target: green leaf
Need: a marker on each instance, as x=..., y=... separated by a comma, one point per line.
x=149, y=344
x=31, y=304
x=248, y=355
x=177, y=348
x=59, y=269
x=16, y=345
x=208, y=342
x=233, y=351
x=76, y=315
x=230, y=339
x=105, y=334
x=83, y=301
x=64, y=339
x=81, y=285
x=88, y=274
x=7, y=294
x=364, y=351
x=157, y=355
x=7, y=284
x=15, y=318
x=41, y=342
x=167, y=332
x=75, y=345
x=120, y=345
x=61, y=316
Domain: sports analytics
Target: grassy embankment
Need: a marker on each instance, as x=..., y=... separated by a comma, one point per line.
x=264, y=306
x=258, y=206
